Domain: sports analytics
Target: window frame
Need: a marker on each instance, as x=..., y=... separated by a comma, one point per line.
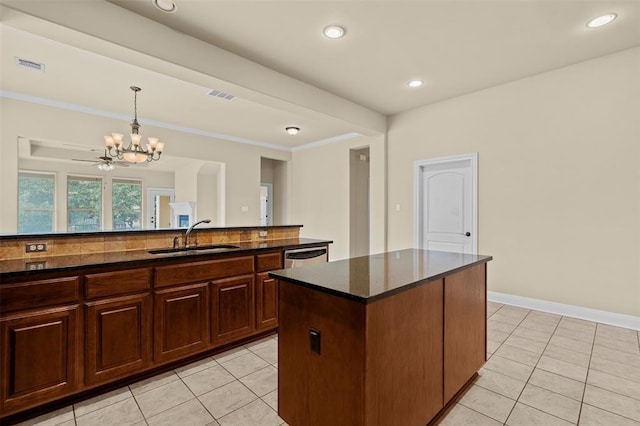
x=113, y=181
x=77, y=176
x=54, y=210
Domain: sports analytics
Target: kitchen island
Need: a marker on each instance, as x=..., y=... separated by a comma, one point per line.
x=386, y=339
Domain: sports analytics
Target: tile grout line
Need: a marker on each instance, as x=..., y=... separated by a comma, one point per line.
x=586, y=379
x=489, y=390
x=534, y=367
x=144, y=418
x=237, y=379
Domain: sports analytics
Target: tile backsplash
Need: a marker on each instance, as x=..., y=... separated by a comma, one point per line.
x=85, y=244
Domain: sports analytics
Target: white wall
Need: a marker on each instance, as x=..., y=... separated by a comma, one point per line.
x=23, y=119
x=559, y=179
x=207, y=207
x=359, y=202
x=321, y=193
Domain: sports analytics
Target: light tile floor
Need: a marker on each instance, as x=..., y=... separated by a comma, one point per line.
x=543, y=369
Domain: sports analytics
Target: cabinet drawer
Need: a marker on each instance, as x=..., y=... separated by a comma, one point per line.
x=268, y=262
x=36, y=294
x=117, y=282
x=199, y=271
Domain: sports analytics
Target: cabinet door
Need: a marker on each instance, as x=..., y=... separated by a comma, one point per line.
x=266, y=302
x=39, y=357
x=118, y=337
x=181, y=324
x=465, y=346
x=233, y=309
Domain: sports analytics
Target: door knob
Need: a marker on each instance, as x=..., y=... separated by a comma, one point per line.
x=466, y=234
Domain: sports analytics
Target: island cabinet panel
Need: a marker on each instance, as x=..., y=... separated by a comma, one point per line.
x=181, y=321
x=39, y=357
x=233, y=309
x=464, y=327
x=404, y=357
x=118, y=337
x=325, y=388
x=266, y=301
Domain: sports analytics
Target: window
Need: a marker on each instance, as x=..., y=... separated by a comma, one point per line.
x=84, y=204
x=127, y=204
x=36, y=202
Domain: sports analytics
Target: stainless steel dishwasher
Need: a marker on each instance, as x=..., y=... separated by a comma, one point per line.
x=298, y=258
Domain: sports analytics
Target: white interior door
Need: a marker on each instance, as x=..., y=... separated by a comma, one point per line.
x=447, y=204
x=158, y=212
x=266, y=204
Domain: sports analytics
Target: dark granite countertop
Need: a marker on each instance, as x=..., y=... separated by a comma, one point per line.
x=369, y=278
x=70, y=262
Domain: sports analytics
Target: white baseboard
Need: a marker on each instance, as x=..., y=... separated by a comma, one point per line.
x=611, y=318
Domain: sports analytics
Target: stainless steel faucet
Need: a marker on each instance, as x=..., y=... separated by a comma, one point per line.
x=186, y=235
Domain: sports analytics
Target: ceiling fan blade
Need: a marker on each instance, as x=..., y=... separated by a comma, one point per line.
x=86, y=161
x=84, y=148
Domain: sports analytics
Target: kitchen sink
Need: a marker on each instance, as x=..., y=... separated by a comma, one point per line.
x=194, y=249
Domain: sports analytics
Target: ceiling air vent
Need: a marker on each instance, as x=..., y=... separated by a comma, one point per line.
x=221, y=95
x=25, y=63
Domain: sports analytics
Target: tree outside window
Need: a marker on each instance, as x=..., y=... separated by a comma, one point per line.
x=36, y=202
x=127, y=204
x=84, y=204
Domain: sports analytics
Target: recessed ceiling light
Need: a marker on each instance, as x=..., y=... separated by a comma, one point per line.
x=165, y=5
x=292, y=130
x=333, y=31
x=601, y=20
x=415, y=83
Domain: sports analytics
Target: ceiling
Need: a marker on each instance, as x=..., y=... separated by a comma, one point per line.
x=456, y=47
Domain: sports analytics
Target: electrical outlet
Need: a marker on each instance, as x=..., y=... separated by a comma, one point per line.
x=314, y=340
x=36, y=266
x=262, y=233
x=35, y=247
x=245, y=209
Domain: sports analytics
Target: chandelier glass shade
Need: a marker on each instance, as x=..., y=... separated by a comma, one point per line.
x=134, y=152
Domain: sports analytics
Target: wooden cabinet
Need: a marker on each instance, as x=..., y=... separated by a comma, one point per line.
x=62, y=335
x=465, y=346
x=233, y=308
x=378, y=363
x=39, y=356
x=118, y=337
x=117, y=324
x=266, y=301
x=181, y=321
x=267, y=290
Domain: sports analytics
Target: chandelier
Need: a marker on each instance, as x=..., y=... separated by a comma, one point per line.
x=134, y=152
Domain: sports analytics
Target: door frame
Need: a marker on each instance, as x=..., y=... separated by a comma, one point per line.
x=269, y=187
x=151, y=193
x=418, y=167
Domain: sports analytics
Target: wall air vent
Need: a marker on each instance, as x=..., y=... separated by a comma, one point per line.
x=221, y=95
x=25, y=63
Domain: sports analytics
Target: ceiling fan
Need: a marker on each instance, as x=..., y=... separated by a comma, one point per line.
x=105, y=163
